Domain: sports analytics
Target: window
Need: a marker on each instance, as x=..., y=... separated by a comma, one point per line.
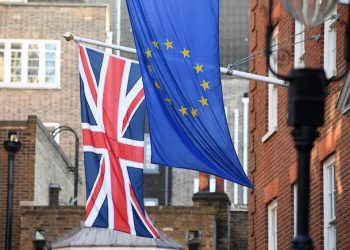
x=272, y=91
x=29, y=63
x=272, y=225
x=151, y=202
x=149, y=167
x=330, y=45
x=299, y=45
x=329, y=202
x=343, y=104
x=295, y=207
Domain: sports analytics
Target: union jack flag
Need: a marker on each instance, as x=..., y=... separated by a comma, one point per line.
x=113, y=112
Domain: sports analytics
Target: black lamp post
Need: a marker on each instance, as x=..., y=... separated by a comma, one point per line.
x=306, y=98
x=12, y=145
x=75, y=170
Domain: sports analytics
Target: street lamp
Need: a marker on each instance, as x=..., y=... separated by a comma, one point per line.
x=12, y=145
x=55, y=132
x=310, y=12
x=306, y=97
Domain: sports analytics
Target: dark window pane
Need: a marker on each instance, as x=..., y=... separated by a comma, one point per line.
x=33, y=47
x=16, y=46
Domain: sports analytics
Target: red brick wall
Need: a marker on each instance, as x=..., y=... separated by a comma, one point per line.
x=54, y=222
x=175, y=222
x=272, y=163
x=23, y=174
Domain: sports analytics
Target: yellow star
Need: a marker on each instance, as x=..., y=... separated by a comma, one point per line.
x=148, y=53
x=185, y=53
x=168, y=100
x=194, y=112
x=183, y=110
x=204, y=101
x=155, y=44
x=205, y=84
x=168, y=44
x=198, y=68
x=156, y=83
x=149, y=66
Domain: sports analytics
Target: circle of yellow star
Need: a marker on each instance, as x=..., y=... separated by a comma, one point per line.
x=183, y=110
x=204, y=101
x=149, y=66
x=185, y=53
x=148, y=53
x=198, y=68
x=205, y=85
x=156, y=83
x=194, y=112
x=168, y=100
x=155, y=44
x=168, y=44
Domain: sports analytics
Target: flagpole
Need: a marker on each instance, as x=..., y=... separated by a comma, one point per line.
x=228, y=71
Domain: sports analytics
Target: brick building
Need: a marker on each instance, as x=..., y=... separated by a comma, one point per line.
x=208, y=225
x=272, y=158
x=38, y=166
x=39, y=69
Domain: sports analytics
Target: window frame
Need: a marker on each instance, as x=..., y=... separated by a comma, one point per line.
x=295, y=208
x=148, y=200
x=24, y=84
x=272, y=98
x=330, y=45
x=329, y=167
x=299, y=44
x=272, y=211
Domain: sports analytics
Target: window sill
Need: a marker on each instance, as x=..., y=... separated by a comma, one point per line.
x=150, y=172
x=268, y=135
x=28, y=86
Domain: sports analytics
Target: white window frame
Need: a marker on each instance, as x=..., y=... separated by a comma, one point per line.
x=329, y=203
x=195, y=185
x=272, y=91
x=330, y=45
x=299, y=45
x=151, y=202
x=272, y=225
x=212, y=185
x=24, y=64
x=149, y=168
x=295, y=208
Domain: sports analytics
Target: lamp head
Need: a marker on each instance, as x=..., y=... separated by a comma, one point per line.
x=309, y=12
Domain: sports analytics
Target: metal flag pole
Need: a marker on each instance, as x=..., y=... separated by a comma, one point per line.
x=228, y=71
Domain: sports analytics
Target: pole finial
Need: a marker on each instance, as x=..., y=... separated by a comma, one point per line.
x=68, y=36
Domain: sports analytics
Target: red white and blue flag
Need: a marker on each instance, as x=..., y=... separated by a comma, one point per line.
x=113, y=112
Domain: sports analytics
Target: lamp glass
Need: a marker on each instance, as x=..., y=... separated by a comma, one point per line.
x=310, y=12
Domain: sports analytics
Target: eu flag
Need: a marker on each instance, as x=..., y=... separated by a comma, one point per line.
x=177, y=44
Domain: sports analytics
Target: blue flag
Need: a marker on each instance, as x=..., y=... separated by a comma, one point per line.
x=177, y=44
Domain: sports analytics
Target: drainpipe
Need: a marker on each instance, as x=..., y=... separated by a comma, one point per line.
x=245, y=101
x=235, y=142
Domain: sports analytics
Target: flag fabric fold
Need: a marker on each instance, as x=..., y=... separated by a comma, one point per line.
x=113, y=113
x=177, y=44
